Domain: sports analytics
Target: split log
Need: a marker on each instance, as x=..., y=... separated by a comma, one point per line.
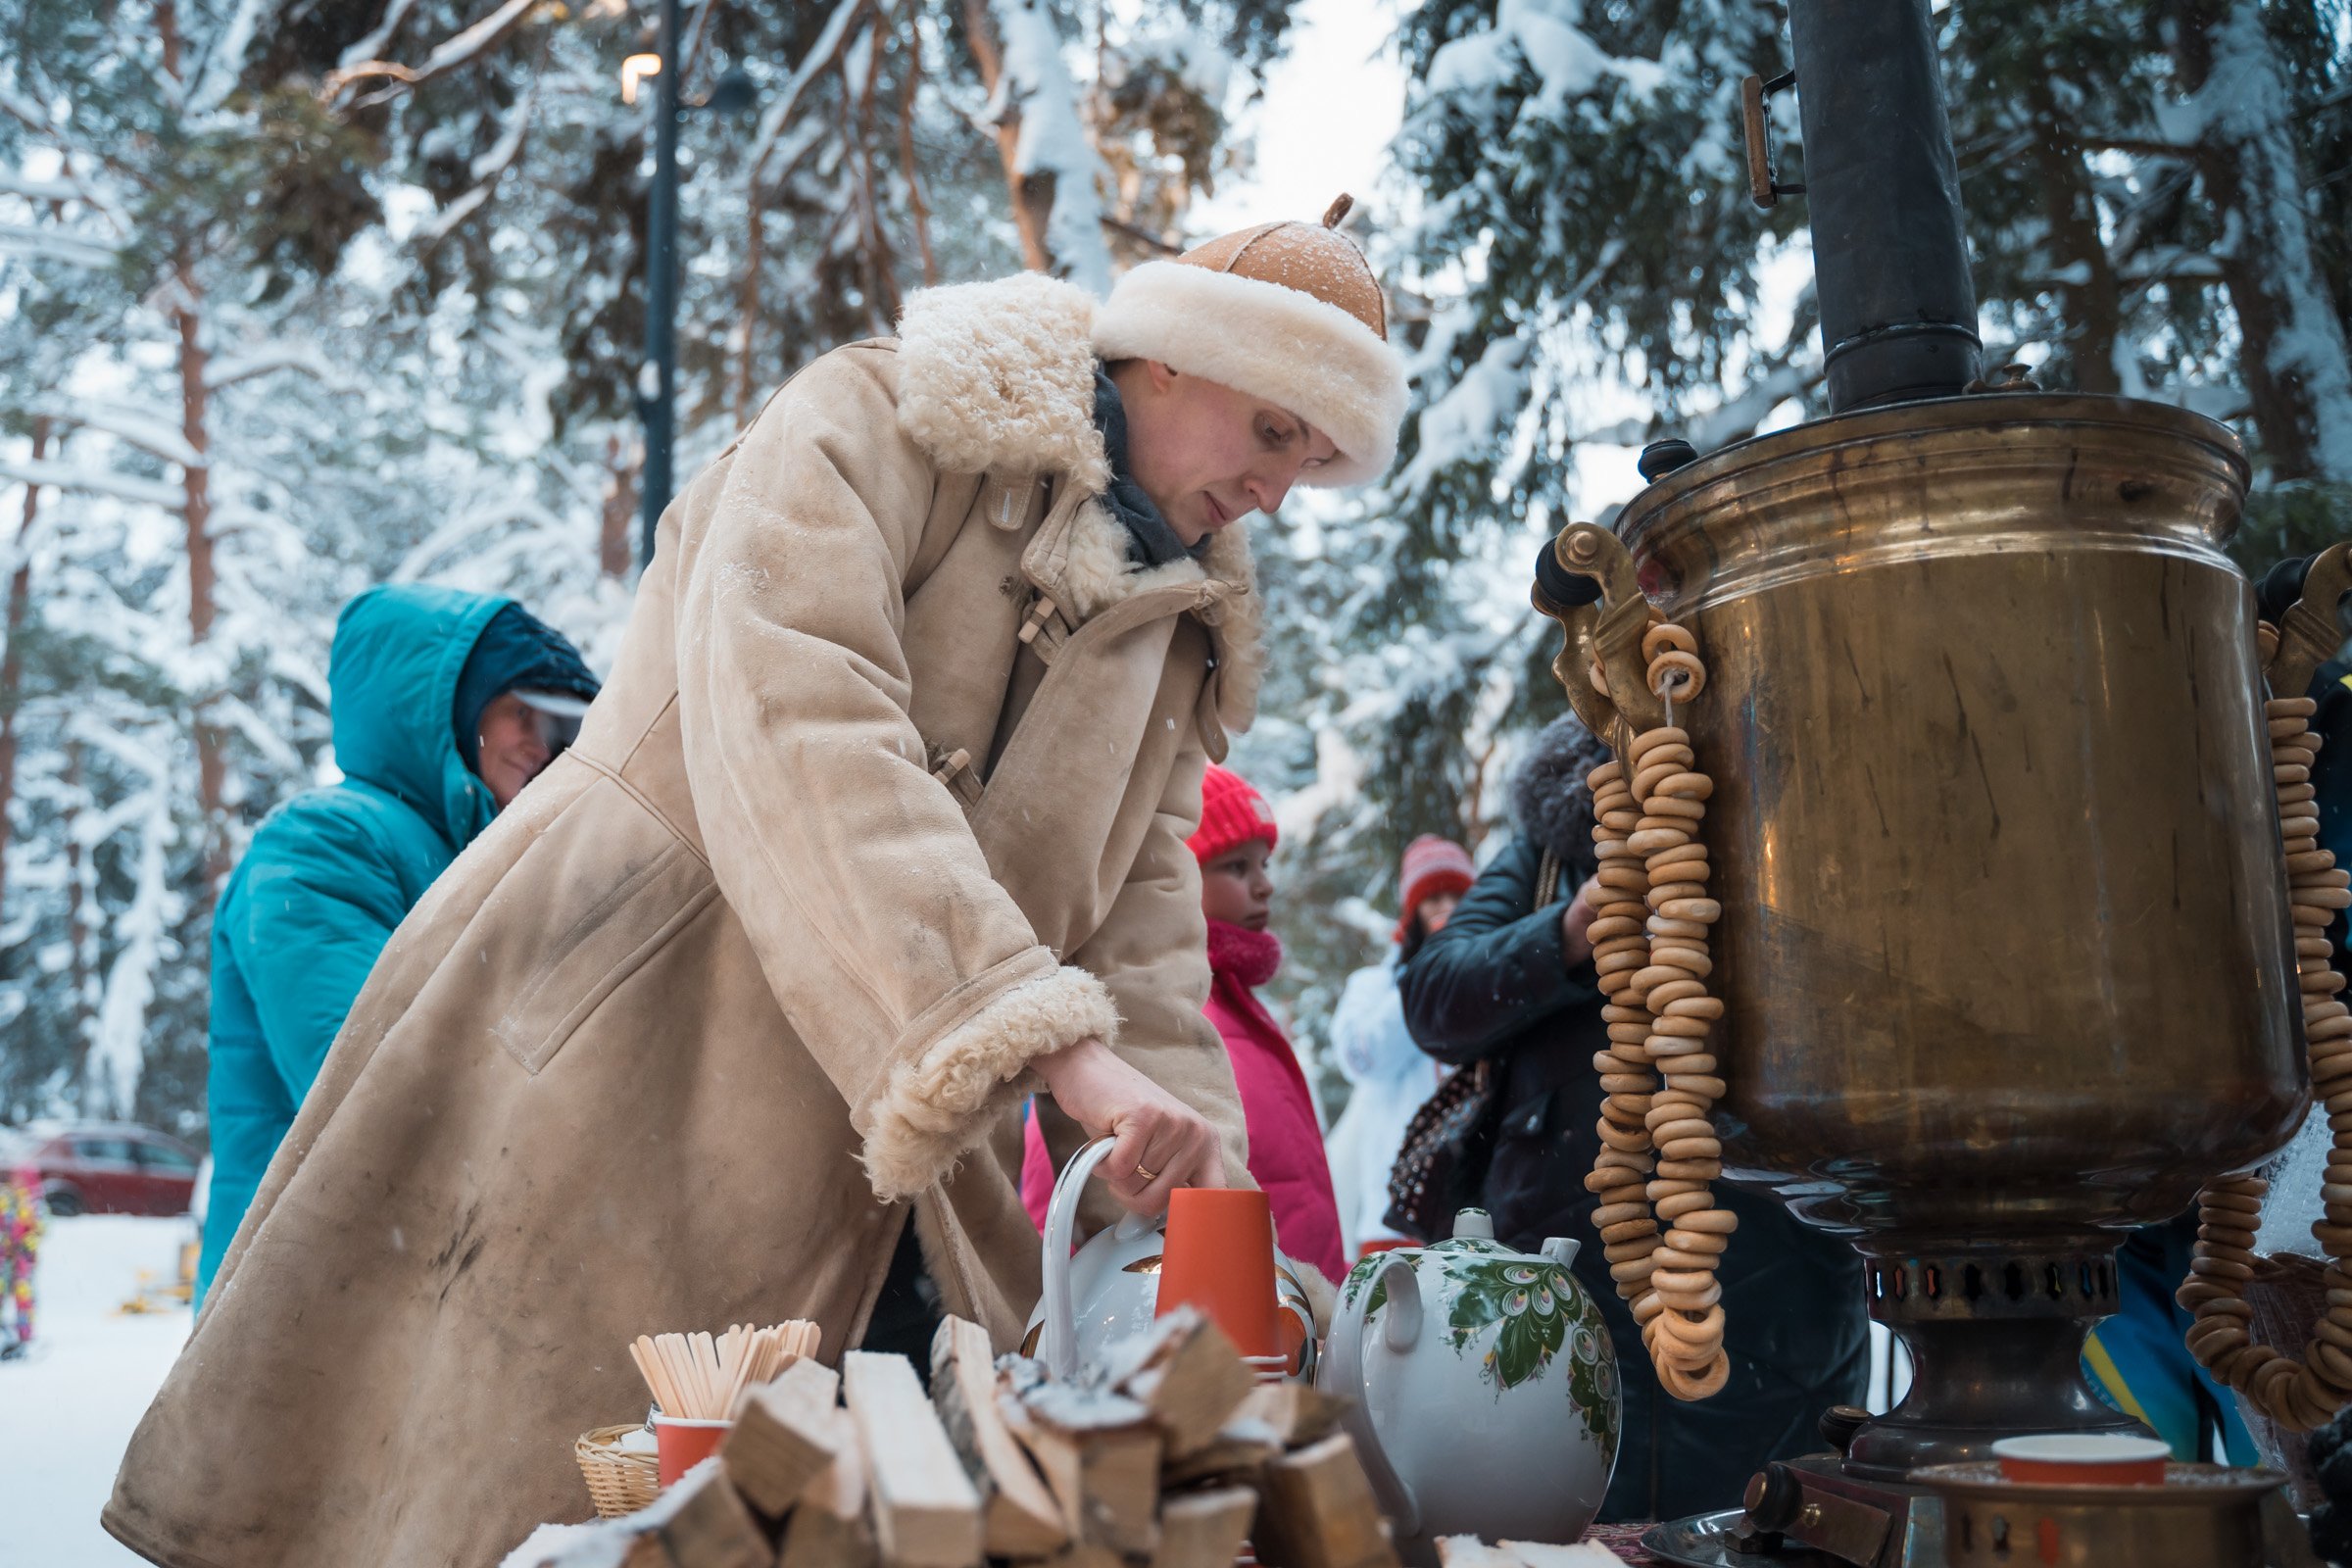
x=828, y=1528
x=1019, y=1516
x=1204, y=1529
x=926, y=1513
x=1099, y=1454
x=783, y=1436
x=1317, y=1511
x=1188, y=1374
x=1296, y=1414
x=710, y=1526
x=1235, y=1455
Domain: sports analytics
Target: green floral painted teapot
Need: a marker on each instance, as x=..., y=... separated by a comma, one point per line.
x=1482, y=1388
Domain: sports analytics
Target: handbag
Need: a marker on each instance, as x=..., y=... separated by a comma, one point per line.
x=1442, y=1166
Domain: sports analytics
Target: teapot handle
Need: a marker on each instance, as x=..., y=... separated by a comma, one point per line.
x=1057, y=1347
x=1399, y=1332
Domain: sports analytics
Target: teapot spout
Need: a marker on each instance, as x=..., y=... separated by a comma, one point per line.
x=1561, y=1249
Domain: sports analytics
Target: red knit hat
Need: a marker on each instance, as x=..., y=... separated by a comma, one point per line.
x=1232, y=814
x=1433, y=866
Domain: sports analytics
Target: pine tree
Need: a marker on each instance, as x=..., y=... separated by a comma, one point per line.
x=303, y=297
x=2156, y=206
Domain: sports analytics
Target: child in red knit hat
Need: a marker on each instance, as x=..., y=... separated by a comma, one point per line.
x=1236, y=837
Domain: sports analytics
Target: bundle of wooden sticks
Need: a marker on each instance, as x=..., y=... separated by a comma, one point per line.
x=699, y=1377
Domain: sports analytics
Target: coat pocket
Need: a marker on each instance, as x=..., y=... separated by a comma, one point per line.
x=614, y=884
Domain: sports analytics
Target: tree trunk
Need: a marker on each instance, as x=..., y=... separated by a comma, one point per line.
x=196, y=513
x=617, y=544
x=2292, y=357
x=12, y=661
x=1032, y=194
x=2091, y=310
x=78, y=945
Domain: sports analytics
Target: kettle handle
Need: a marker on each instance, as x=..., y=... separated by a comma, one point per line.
x=1058, y=1347
x=1399, y=1332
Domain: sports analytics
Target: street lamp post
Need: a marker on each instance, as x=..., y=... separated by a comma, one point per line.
x=656, y=377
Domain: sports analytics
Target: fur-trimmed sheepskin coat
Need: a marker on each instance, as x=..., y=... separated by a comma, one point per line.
x=887, y=795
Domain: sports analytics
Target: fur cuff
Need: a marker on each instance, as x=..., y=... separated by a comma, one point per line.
x=931, y=1113
x=1282, y=344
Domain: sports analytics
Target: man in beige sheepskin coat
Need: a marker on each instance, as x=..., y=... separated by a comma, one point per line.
x=878, y=826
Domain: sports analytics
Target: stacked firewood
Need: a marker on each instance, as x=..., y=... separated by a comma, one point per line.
x=1174, y=1456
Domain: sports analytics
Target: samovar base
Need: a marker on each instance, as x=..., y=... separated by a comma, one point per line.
x=1825, y=1518
x=1975, y=1382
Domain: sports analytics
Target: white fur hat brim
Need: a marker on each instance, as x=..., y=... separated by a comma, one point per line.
x=1282, y=344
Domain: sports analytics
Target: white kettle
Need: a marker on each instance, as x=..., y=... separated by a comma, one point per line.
x=1109, y=1291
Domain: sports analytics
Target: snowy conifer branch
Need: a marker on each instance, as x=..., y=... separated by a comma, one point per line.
x=463, y=48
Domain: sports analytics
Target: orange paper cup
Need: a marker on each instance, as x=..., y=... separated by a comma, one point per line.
x=1220, y=1258
x=680, y=1445
x=2084, y=1460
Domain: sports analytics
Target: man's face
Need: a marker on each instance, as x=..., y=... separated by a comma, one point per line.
x=513, y=748
x=1206, y=455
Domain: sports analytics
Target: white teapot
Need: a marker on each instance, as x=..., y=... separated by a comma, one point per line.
x=1482, y=1388
x=1111, y=1290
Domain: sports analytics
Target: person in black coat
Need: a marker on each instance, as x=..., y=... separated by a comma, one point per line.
x=1509, y=980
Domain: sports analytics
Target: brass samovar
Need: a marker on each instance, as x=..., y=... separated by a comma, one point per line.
x=2004, y=939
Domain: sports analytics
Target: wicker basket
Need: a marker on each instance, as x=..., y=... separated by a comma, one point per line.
x=618, y=1482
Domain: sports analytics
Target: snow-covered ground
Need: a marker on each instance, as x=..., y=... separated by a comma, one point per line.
x=66, y=1412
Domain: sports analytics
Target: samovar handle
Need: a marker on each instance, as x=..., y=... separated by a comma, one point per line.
x=1585, y=580
x=2308, y=634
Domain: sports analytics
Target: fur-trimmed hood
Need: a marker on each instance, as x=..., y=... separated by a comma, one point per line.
x=999, y=379
x=1551, y=802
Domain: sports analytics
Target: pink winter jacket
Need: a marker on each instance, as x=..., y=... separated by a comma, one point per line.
x=1286, y=1144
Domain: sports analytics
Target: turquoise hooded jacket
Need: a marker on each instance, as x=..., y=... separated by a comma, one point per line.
x=331, y=872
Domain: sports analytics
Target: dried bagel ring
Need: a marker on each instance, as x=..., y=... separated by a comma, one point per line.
x=1666, y=634
x=1674, y=1207
x=1691, y=1301
x=1677, y=674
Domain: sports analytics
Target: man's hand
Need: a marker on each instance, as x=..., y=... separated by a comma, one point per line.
x=1576, y=947
x=1162, y=1145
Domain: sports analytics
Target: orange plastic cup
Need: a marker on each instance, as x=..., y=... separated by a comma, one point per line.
x=2084, y=1460
x=1220, y=1258
x=679, y=1445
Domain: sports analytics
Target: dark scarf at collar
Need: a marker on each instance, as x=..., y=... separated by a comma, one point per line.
x=1150, y=542
x=1248, y=957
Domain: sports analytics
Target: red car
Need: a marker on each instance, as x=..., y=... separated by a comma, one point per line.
x=103, y=1167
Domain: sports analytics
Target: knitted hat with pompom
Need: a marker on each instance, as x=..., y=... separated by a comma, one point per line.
x=1286, y=312
x=1432, y=866
x=1232, y=814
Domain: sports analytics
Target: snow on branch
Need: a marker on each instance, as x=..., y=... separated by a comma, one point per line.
x=14, y=184
x=372, y=44
x=229, y=368
x=93, y=482
x=1737, y=417
x=119, y=1050
x=820, y=58
x=1567, y=61
x=32, y=240
x=462, y=49
x=148, y=431
x=486, y=169
x=1035, y=83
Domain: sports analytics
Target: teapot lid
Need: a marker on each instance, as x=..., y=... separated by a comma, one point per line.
x=1473, y=1224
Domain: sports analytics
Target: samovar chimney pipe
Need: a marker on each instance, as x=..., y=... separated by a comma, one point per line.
x=1898, y=313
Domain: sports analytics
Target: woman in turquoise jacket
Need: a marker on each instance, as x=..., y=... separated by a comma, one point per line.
x=445, y=704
